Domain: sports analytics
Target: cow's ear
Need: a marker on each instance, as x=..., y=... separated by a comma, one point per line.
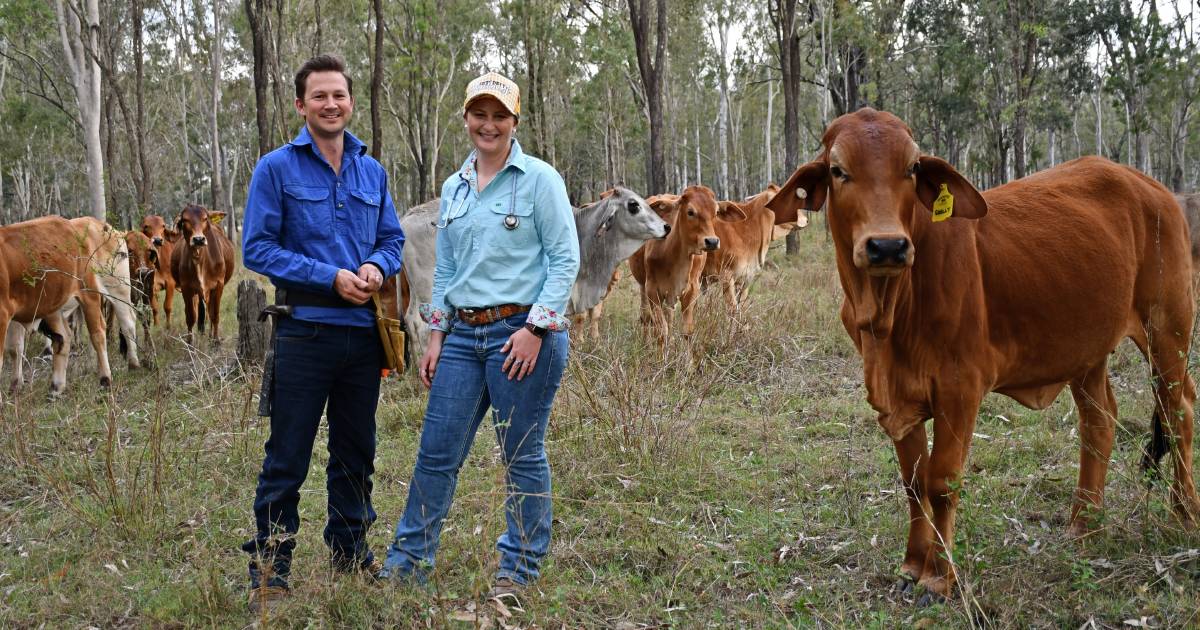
x=968, y=203
x=730, y=212
x=664, y=207
x=806, y=189
x=608, y=193
x=215, y=217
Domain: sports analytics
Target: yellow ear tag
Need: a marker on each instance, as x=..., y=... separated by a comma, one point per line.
x=943, y=206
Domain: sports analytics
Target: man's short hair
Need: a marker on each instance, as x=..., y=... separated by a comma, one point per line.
x=321, y=63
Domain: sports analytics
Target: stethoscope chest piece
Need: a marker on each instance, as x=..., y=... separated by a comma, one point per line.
x=511, y=222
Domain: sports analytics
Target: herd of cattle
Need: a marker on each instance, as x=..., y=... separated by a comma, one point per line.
x=1022, y=290
x=51, y=266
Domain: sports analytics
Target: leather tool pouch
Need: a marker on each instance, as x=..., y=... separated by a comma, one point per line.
x=391, y=335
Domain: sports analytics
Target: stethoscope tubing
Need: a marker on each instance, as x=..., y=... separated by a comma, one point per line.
x=510, y=220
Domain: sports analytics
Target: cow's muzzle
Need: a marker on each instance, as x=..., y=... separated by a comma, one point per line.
x=712, y=243
x=666, y=230
x=199, y=241
x=884, y=255
x=887, y=251
x=157, y=240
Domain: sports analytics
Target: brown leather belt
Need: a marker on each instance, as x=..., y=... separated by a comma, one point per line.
x=489, y=314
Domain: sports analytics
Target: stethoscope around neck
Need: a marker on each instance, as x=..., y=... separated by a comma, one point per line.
x=510, y=220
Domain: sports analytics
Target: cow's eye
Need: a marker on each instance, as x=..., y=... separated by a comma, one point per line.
x=837, y=172
x=691, y=213
x=633, y=206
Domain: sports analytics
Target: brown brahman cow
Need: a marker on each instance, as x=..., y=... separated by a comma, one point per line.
x=668, y=270
x=1021, y=290
x=44, y=263
x=202, y=263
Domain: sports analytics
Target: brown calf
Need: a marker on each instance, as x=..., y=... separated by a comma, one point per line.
x=164, y=239
x=43, y=264
x=744, y=246
x=202, y=263
x=1025, y=289
x=141, y=268
x=668, y=270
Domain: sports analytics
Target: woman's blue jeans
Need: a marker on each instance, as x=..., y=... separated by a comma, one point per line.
x=467, y=384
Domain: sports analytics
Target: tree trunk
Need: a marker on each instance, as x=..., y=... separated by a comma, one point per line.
x=77, y=39
x=258, y=35
x=215, y=55
x=650, y=65
x=768, y=164
x=144, y=185
x=787, y=42
x=722, y=110
x=377, y=82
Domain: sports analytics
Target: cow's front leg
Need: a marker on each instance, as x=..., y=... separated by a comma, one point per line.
x=214, y=311
x=953, y=425
x=913, y=455
x=687, y=300
x=189, y=313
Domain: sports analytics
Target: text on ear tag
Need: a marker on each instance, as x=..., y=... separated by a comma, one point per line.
x=943, y=206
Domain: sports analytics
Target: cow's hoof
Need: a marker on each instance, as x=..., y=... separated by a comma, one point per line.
x=930, y=598
x=105, y=382
x=903, y=586
x=54, y=394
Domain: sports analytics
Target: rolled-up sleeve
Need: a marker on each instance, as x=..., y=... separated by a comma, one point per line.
x=261, y=247
x=560, y=242
x=437, y=313
x=389, y=239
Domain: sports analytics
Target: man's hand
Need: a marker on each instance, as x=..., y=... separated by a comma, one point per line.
x=370, y=274
x=352, y=288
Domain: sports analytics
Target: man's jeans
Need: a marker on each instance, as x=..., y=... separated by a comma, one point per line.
x=317, y=364
x=467, y=383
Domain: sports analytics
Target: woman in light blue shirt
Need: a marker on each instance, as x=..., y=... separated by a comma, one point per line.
x=507, y=255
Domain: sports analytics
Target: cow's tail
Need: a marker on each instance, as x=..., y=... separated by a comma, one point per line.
x=1155, y=448
x=122, y=343
x=200, y=315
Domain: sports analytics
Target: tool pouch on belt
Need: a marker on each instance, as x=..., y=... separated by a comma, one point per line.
x=391, y=335
x=267, y=390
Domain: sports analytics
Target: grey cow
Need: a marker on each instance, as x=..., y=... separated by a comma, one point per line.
x=610, y=230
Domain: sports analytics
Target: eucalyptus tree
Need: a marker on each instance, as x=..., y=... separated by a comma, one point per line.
x=79, y=30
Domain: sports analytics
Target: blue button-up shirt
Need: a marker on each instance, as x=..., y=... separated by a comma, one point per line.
x=481, y=262
x=304, y=223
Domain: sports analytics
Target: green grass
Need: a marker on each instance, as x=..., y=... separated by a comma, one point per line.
x=740, y=482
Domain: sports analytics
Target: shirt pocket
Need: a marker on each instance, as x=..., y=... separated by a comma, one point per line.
x=365, y=216
x=309, y=212
x=522, y=237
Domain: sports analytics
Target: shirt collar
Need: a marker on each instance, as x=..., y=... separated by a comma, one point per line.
x=516, y=159
x=351, y=145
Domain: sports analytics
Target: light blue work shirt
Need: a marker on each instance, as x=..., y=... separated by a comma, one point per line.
x=304, y=223
x=482, y=263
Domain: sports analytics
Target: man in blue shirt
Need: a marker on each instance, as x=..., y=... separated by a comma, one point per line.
x=321, y=225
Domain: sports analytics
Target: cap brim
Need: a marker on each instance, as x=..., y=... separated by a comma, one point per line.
x=468, y=102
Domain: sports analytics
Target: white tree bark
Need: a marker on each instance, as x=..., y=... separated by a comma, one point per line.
x=81, y=42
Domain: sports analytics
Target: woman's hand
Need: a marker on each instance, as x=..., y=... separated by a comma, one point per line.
x=429, y=361
x=522, y=348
